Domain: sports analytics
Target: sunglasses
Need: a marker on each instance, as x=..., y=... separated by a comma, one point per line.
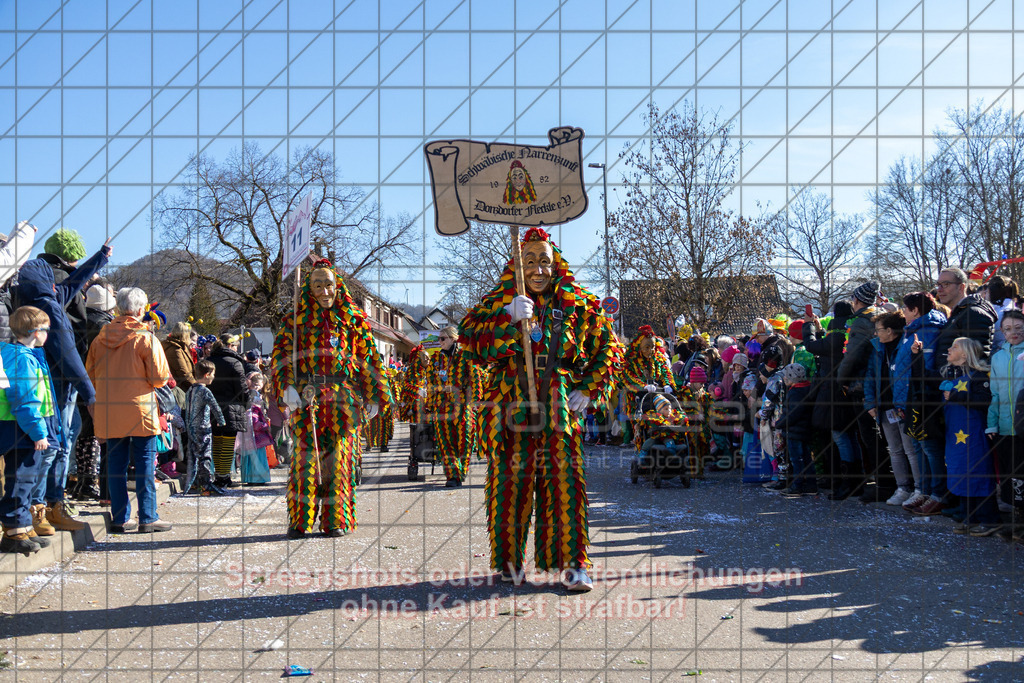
x=39, y=329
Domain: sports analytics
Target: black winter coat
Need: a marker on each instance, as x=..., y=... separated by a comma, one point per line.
x=795, y=420
x=95, y=320
x=832, y=410
x=974, y=318
x=854, y=364
x=229, y=388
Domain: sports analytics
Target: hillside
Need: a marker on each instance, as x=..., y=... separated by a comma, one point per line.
x=165, y=276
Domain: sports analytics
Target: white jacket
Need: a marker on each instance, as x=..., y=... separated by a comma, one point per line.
x=16, y=250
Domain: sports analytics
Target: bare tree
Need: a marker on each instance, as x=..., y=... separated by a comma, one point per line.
x=233, y=212
x=922, y=225
x=471, y=263
x=674, y=225
x=822, y=250
x=986, y=150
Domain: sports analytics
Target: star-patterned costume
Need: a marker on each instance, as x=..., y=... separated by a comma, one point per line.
x=969, y=467
x=338, y=360
x=540, y=468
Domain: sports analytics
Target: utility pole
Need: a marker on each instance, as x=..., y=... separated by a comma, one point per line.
x=607, y=259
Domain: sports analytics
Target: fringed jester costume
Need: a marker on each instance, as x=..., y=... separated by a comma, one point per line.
x=645, y=369
x=381, y=428
x=540, y=467
x=337, y=375
x=413, y=379
x=451, y=395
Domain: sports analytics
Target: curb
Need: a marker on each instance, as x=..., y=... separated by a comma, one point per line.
x=64, y=544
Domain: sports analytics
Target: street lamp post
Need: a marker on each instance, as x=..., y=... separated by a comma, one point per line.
x=607, y=265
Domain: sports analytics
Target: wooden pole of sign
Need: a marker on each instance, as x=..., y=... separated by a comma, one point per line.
x=524, y=325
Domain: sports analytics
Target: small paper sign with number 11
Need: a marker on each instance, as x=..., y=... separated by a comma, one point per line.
x=296, y=236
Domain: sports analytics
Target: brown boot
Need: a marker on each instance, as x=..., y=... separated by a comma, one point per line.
x=60, y=519
x=40, y=541
x=18, y=541
x=39, y=523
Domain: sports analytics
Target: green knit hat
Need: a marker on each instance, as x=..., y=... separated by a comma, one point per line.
x=67, y=244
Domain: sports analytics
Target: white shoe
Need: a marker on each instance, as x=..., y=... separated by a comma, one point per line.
x=916, y=498
x=899, y=497
x=577, y=580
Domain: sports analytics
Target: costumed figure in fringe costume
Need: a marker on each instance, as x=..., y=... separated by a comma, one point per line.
x=381, y=428
x=696, y=402
x=450, y=395
x=336, y=381
x=645, y=370
x=537, y=464
x=481, y=376
x=413, y=380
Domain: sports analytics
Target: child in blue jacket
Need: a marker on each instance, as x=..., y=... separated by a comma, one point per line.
x=29, y=428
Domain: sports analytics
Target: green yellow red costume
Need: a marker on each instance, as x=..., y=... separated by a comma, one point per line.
x=381, y=428
x=450, y=399
x=639, y=371
x=414, y=378
x=337, y=364
x=539, y=468
x=698, y=408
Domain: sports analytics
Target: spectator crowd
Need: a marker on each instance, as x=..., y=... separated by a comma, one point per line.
x=915, y=402
x=91, y=397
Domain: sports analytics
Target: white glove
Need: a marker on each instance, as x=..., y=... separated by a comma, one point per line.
x=578, y=401
x=422, y=391
x=372, y=410
x=521, y=308
x=668, y=389
x=292, y=399
x=650, y=388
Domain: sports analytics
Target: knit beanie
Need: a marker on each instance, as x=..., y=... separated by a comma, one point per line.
x=100, y=298
x=660, y=401
x=794, y=372
x=697, y=374
x=741, y=359
x=729, y=353
x=867, y=292
x=796, y=329
x=67, y=244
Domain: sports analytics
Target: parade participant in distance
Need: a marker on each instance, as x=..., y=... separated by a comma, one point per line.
x=450, y=395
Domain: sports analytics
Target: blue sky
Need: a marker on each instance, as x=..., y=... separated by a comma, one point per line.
x=102, y=102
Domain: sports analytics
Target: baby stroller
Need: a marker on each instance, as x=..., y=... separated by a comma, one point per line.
x=665, y=457
x=421, y=440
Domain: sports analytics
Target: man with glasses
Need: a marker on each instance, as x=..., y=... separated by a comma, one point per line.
x=970, y=316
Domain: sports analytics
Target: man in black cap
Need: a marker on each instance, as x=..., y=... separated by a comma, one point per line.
x=874, y=452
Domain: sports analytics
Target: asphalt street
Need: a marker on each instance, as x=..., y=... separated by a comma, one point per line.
x=718, y=582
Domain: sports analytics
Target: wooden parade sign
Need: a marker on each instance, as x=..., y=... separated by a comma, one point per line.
x=505, y=183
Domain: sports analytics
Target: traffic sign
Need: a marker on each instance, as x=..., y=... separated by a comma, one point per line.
x=610, y=305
